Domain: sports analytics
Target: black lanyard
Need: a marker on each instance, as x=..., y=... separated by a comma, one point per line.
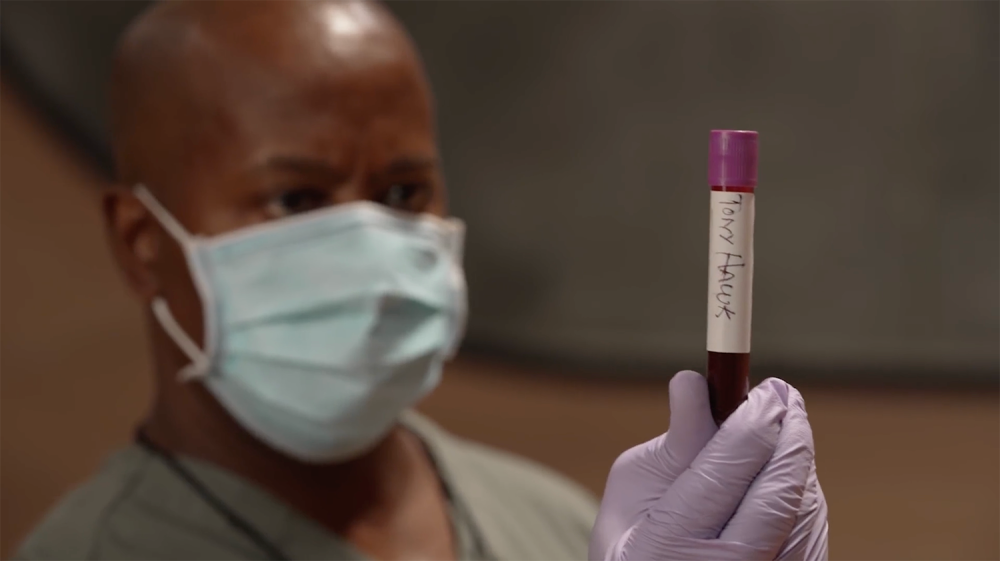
x=253, y=534
x=234, y=520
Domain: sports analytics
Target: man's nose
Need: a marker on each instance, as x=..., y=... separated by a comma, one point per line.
x=353, y=190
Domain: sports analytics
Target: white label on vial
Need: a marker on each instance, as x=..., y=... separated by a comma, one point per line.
x=730, y=272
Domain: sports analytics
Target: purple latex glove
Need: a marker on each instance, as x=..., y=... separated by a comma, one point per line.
x=747, y=490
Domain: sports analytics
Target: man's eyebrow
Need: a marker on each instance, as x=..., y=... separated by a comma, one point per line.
x=305, y=164
x=409, y=164
x=319, y=166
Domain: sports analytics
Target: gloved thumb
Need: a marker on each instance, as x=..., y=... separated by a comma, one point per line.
x=700, y=502
x=643, y=473
x=691, y=423
x=658, y=462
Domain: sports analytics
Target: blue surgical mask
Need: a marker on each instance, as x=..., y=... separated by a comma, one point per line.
x=320, y=329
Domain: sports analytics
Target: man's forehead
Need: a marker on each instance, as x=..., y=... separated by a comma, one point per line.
x=343, y=62
x=257, y=38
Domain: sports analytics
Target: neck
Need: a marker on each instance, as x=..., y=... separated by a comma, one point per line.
x=187, y=420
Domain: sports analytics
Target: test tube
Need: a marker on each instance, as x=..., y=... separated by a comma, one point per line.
x=732, y=176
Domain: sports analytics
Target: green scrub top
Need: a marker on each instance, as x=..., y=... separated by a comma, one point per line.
x=136, y=507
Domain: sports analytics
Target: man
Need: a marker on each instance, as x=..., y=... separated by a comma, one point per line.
x=281, y=213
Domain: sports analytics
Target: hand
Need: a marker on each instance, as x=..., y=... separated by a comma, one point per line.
x=747, y=490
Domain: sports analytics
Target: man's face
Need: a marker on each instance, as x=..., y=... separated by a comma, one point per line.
x=273, y=125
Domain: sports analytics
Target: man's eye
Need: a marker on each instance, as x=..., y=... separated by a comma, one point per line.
x=297, y=201
x=404, y=196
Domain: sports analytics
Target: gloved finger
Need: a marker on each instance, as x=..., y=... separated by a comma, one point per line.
x=809, y=540
x=688, y=548
x=706, y=495
x=770, y=509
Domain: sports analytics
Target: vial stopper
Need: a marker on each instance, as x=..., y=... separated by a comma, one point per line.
x=732, y=158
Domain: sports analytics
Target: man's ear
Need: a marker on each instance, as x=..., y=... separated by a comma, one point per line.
x=134, y=239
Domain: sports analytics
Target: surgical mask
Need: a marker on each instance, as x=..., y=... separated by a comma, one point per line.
x=320, y=329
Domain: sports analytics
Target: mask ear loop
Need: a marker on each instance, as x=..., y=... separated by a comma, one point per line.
x=199, y=360
x=456, y=248
x=163, y=216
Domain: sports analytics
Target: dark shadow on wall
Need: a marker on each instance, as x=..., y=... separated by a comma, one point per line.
x=57, y=55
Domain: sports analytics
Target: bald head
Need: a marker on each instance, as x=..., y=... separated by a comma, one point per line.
x=193, y=80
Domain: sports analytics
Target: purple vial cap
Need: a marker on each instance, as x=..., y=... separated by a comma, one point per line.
x=732, y=159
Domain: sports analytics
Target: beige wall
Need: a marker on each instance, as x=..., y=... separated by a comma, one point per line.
x=908, y=475
x=71, y=364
